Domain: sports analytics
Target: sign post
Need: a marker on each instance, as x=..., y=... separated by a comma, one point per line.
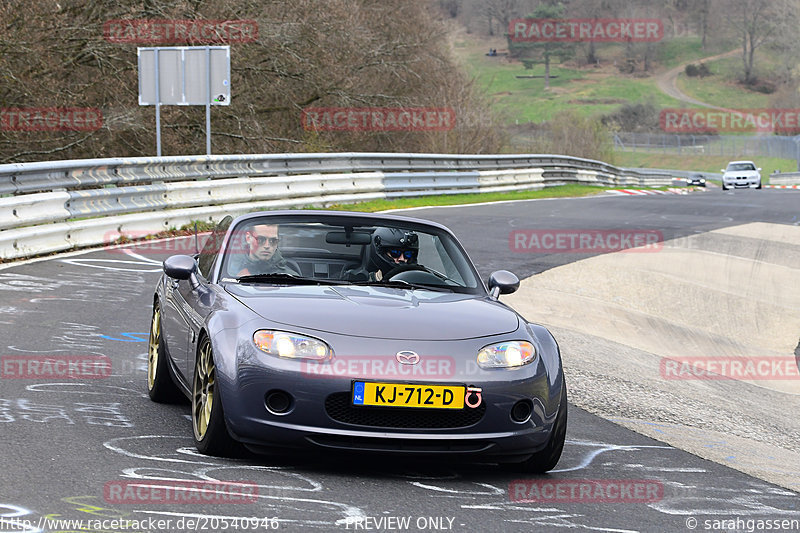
x=184, y=75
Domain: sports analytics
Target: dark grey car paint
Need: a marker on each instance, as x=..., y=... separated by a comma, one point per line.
x=378, y=312
x=359, y=321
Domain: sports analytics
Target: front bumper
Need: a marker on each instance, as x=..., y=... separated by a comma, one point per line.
x=742, y=183
x=311, y=422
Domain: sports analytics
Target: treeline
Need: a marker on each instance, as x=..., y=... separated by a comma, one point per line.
x=751, y=25
x=762, y=31
x=307, y=54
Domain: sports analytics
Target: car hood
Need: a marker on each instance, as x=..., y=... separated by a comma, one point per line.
x=741, y=174
x=378, y=312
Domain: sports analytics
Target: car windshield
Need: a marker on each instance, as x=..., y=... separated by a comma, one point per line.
x=275, y=251
x=741, y=166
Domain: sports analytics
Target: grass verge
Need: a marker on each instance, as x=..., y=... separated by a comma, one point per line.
x=700, y=163
x=561, y=191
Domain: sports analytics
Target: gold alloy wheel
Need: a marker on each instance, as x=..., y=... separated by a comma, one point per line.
x=152, y=359
x=203, y=394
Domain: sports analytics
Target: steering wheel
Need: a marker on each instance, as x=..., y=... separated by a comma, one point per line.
x=399, y=269
x=403, y=268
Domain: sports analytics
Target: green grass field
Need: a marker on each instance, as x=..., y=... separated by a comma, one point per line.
x=588, y=91
x=699, y=163
x=722, y=89
x=597, y=91
x=673, y=52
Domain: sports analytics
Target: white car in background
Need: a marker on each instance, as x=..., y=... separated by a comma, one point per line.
x=741, y=174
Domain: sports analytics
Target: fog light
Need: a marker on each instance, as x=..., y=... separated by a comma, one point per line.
x=278, y=402
x=521, y=411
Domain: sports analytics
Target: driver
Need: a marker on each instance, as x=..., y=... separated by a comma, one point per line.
x=262, y=255
x=391, y=248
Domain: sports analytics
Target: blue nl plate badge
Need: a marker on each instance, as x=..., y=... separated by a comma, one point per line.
x=358, y=393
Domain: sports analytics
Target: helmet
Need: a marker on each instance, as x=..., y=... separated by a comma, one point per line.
x=389, y=243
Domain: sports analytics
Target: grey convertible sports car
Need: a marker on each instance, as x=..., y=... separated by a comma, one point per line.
x=349, y=331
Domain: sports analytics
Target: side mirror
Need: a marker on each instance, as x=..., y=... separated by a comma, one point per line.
x=181, y=267
x=502, y=282
x=722, y=170
x=758, y=169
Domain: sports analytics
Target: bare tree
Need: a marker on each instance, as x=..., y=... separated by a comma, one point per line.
x=364, y=53
x=704, y=12
x=570, y=133
x=451, y=7
x=755, y=22
x=785, y=44
x=503, y=11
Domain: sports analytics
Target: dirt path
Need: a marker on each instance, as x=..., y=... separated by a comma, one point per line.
x=666, y=81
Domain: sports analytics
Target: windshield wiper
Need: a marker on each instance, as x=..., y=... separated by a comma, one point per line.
x=280, y=277
x=402, y=285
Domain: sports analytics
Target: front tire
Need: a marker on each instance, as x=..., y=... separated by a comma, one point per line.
x=211, y=436
x=160, y=386
x=547, y=458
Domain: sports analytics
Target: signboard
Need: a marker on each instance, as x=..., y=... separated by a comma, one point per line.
x=184, y=73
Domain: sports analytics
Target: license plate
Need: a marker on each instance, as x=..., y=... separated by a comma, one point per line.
x=408, y=395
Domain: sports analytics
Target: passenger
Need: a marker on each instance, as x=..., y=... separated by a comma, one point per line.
x=262, y=255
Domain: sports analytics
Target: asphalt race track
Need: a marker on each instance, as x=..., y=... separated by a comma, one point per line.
x=67, y=444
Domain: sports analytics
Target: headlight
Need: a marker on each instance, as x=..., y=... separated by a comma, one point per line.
x=506, y=354
x=291, y=346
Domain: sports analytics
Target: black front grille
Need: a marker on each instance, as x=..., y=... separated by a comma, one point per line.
x=339, y=408
x=422, y=446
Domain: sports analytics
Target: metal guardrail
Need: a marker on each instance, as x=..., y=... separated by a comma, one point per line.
x=682, y=174
x=733, y=146
x=56, y=206
x=784, y=178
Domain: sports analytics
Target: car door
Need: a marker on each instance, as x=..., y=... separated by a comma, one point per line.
x=188, y=297
x=175, y=323
x=198, y=300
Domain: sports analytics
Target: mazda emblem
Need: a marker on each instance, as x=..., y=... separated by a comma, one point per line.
x=407, y=358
